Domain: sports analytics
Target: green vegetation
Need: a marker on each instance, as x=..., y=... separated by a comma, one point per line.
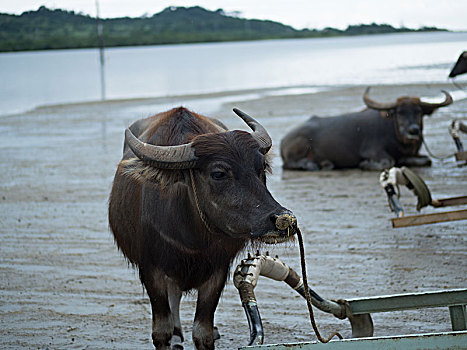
x=57, y=29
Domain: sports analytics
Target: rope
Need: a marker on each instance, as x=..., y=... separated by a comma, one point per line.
x=460, y=87
x=432, y=155
x=200, y=212
x=307, y=293
x=303, y=264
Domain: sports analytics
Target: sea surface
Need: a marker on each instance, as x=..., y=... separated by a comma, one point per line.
x=32, y=79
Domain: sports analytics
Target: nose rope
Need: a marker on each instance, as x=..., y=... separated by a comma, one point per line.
x=432, y=155
x=302, y=258
x=200, y=212
x=307, y=293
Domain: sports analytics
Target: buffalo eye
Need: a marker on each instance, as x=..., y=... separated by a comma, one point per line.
x=218, y=175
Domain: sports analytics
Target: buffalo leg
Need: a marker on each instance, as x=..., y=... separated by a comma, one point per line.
x=376, y=164
x=208, y=298
x=296, y=152
x=375, y=159
x=155, y=283
x=414, y=161
x=175, y=294
x=301, y=164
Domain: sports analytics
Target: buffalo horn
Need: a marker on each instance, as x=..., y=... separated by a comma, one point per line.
x=377, y=105
x=164, y=157
x=259, y=132
x=447, y=101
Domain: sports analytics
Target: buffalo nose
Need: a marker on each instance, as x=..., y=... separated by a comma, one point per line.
x=284, y=220
x=414, y=130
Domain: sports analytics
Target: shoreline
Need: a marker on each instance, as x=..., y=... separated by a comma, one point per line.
x=259, y=94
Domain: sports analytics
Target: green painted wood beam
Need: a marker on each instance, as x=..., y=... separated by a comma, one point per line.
x=399, y=302
x=430, y=341
x=458, y=318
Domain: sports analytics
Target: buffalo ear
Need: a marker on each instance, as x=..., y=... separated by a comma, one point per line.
x=387, y=114
x=428, y=110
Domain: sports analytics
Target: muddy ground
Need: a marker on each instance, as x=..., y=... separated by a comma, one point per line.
x=64, y=285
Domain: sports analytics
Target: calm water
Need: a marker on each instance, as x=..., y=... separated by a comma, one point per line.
x=31, y=79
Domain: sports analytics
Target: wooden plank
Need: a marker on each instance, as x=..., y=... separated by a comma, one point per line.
x=446, y=202
x=428, y=341
x=458, y=317
x=461, y=156
x=408, y=301
x=429, y=218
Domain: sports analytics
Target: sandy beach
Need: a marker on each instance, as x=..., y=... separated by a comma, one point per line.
x=64, y=284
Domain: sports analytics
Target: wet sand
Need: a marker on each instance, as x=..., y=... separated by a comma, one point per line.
x=64, y=284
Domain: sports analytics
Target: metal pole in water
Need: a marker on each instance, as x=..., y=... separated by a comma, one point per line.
x=100, y=41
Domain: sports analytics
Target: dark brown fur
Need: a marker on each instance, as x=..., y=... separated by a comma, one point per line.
x=157, y=220
x=369, y=139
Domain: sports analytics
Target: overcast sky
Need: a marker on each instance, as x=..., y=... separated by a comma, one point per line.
x=449, y=14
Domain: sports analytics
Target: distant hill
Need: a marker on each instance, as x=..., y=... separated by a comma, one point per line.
x=58, y=29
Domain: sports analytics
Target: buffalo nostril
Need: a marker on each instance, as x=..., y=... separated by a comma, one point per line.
x=414, y=130
x=283, y=221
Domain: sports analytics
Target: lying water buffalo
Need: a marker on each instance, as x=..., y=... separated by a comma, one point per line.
x=379, y=137
x=187, y=196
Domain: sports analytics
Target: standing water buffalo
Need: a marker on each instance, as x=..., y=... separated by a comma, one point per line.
x=379, y=137
x=187, y=196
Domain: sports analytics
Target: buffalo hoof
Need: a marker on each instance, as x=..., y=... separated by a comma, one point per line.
x=217, y=335
x=327, y=165
x=370, y=164
x=176, y=342
x=302, y=164
x=158, y=346
x=415, y=161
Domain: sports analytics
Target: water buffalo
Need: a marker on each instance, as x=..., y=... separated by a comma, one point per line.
x=379, y=137
x=187, y=196
x=460, y=67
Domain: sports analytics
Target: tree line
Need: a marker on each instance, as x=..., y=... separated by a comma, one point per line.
x=58, y=29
